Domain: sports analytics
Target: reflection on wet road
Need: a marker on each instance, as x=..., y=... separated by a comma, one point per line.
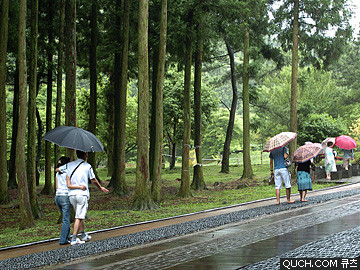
x=235, y=245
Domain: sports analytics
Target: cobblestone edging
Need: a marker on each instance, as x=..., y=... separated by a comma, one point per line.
x=97, y=247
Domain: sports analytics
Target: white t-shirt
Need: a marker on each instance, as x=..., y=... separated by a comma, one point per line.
x=81, y=176
x=62, y=188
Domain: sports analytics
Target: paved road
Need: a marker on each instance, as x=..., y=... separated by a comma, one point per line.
x=329, y=228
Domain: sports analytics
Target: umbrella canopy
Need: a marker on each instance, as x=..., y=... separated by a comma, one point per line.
x=345, y=142
x=306, y=152
x=74, y=138
x=279, y=140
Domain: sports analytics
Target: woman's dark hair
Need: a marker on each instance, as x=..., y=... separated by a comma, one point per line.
x=62, y=161
x=329, y=144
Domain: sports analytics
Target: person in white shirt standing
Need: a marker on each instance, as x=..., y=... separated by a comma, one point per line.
x=79, y=172
x=62, y=200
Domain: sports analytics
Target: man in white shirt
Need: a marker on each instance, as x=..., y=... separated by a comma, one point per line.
x=79, y=172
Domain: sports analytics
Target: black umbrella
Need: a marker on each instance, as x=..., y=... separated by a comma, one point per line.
x=74, y=138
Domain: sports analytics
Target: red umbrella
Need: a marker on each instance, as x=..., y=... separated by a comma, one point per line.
x=279, y=140
x=306, y=152
x=345, y=142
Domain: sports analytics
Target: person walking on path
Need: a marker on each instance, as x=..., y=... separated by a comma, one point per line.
x=348, y=154
x=303, y=178
x=80, y=172
x=329, y=160
x=62, y=200
x=281, y=173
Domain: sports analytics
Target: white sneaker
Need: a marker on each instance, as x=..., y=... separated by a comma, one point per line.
x=77, y=241
x=86, y=238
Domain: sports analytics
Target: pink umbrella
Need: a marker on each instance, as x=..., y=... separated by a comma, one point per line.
x=345, y=142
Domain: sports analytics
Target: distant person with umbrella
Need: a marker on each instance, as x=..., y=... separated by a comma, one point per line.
x=330, y=165
x=281, y=173
x=303, y=178
x=302, y=157
x=347, y=144
x=347, y=155
x=79, y=172
x=278, y=154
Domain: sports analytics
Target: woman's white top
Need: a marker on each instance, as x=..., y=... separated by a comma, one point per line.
x=62, y=188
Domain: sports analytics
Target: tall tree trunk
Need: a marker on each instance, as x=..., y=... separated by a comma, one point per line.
x=120, y=187
x=49, y=175
x=247, y=170
x=26, y=217
x=294, y=76
x=93, y=78
x=155, y=64
x=159, y=132
x=185, y=172
x=142, y=200
x=39, y=144
x=230, y=128
x=12, y=163
x=31, y=150
x=59, y=79
x=4, y=195
x=198, y=182
x=173, y=147
x=110, y=119
x=70, y=67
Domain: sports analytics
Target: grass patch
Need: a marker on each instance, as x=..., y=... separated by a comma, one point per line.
x=107, y=211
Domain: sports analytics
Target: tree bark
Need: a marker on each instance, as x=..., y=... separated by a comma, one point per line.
x=49, y=174
x=59, y=78
x=294, y=76
x=39, y=144
x=12, y=183
x=185, y=172
x=120, y=93
x=70, y=67
x=230, y=128
x=4, y=194
x=173, y=148
x=159, y=132
x=26, y=217
x=142, y=200
x=93, y=78
x=31, y=150
x=247, y=169
x=198, y=182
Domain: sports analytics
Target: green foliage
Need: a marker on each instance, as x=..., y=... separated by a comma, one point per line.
x=214, y=134
x=320, y=110
x=317, y=127
x=323, y=29
x=173, y=103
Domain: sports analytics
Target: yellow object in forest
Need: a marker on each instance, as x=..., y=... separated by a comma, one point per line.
x=192, y=158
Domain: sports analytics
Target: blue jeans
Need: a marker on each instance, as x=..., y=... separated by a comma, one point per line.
x=63, y=203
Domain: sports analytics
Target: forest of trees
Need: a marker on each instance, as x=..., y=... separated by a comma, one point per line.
x=167, y=75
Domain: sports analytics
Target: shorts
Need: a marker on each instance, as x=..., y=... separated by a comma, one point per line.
x=346, y=162
x=80, y=204
x=281, y=175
